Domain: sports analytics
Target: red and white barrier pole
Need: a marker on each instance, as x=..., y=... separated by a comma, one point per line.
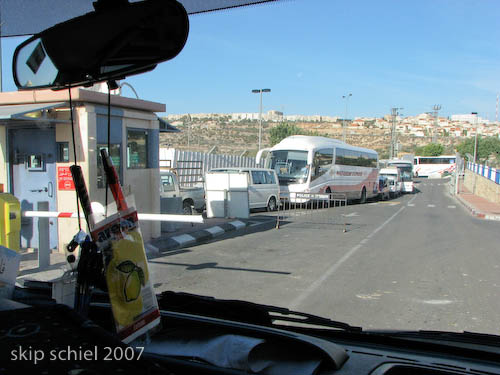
x=144, y=217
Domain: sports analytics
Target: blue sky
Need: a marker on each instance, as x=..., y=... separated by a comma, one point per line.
x=388, y=53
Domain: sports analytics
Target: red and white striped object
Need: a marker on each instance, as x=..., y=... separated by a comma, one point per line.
x=144, y=217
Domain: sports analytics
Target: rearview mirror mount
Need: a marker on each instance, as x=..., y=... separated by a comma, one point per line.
x=110, y=43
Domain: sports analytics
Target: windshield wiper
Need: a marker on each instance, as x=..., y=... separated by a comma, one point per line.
x=245, y=312
x=285, y=315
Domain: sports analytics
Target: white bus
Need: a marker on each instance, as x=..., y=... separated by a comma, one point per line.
x=406, y=169
x=306, y=164
x=433, y=166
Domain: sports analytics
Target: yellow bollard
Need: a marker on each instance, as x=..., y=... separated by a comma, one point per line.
x=10, y=221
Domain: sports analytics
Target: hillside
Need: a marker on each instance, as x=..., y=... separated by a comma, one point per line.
x=238, y=137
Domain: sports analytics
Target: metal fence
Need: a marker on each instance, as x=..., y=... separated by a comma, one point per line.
x=490, y=173
x=192, y=166
x=312, y=208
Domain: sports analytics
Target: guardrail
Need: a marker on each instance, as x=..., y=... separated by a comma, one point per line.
x=314, y=208
x=490, y=173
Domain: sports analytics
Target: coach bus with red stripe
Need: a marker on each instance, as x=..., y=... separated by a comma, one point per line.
x=308, y=164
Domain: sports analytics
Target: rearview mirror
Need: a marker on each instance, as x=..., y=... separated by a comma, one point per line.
x=117, y=40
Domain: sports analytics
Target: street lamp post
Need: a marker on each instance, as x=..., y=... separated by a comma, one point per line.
x=346, y=97
x=257, y=91
x=475, y=137
x=475, y=154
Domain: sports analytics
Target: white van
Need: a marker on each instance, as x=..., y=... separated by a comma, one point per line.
x=263, y=186
x=393, y=175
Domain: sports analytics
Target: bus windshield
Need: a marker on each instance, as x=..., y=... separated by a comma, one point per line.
x=406, y=173
x=290, y=166
x=406, y=170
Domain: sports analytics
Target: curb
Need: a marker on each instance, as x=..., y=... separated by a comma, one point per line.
x=475, y=212
x=200, y=236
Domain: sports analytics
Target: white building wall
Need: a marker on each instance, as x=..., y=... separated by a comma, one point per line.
x=3, y=158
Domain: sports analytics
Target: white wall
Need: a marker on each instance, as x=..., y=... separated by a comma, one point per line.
x=3, y=158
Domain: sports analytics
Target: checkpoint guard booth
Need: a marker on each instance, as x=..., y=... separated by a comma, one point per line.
x=36, y=151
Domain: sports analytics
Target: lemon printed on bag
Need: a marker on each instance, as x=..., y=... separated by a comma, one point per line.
x=126, y=275
x=134, y=282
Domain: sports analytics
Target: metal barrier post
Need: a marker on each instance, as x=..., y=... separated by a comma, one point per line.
x=278, y=215
x=345, y=213
x=225, y=204
x=43, y=237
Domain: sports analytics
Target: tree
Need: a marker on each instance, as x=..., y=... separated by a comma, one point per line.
x=431, y=149
x=284, y=130
x=487, y=148
x=383, y=154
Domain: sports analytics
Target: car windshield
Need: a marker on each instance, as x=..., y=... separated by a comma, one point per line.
x=357, y=82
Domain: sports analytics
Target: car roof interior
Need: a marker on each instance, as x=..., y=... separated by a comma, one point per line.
x=44, y=14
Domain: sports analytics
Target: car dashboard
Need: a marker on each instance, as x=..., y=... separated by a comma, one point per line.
x=50, y=338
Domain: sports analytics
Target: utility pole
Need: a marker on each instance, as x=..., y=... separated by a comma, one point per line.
x=189, y=129
x=475, y=154
x=436, y=109
x=344, y=131
x=475, y=136
x=496, y=112
x=394, y=137
x=257, y=91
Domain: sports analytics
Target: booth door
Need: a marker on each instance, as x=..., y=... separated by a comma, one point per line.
x=33, y=168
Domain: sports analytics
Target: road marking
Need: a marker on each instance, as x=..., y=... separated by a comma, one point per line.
x=437, y=301
x=431, y=205
x=317, y=283
x=411, y=204
x=369, y=296
x=352, y=214
x=452, y=206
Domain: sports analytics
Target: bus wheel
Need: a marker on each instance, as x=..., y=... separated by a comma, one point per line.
x=363, y=196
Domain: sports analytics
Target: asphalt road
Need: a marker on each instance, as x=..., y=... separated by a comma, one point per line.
x=416, y=262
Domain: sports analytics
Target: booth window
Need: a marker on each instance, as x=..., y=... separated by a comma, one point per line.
x=62, y=152
x=115, y=158
x=137, y=149
x=35, y=162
